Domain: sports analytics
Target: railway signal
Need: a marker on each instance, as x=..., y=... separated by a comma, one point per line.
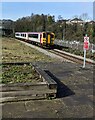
x=86, y=42
x=86, y=47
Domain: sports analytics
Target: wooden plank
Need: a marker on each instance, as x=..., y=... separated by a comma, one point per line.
x=20, y=98
x=26, y=98
x=27, y=93
x=50, y=82
x=22, y=86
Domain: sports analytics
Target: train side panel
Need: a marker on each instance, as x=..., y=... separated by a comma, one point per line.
x=34, y=37
x=21, y=35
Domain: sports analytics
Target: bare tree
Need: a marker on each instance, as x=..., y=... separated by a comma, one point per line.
x=60, y=17
x=84, y=17
x=75, y=16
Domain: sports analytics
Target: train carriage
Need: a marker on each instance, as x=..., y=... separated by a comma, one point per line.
x=42, y=38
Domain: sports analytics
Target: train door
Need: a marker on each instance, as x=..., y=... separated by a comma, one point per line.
x=41, y=39
x=47, y=38
x=52, y=37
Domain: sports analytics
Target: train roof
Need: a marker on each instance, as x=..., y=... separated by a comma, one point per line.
x=31, y=32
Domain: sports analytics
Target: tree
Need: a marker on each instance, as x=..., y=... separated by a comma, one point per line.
x=75, y=16
x=60, y=17
x=43, y=23
x=50, y=19
x=84, y=17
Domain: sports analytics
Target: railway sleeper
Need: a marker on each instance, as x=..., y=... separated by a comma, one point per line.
x=50, y=95
x=46, y=78
x=30, y=97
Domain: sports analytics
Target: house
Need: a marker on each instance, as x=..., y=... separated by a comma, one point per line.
x=77, y=20
x=91, y=22
x=69, y=22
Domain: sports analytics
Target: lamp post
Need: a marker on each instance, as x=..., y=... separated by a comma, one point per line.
x=62, y=32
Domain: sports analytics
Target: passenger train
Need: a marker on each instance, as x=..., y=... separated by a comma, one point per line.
x=42, y=38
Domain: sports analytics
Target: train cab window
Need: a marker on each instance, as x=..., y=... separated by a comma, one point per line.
x=52, y=36
x=44, y=35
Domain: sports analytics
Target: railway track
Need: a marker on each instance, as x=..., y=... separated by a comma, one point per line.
x=71, y=57
x=68, y=56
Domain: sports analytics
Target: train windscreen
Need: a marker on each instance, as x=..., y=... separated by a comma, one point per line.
x=44, y=35
x=52, y=36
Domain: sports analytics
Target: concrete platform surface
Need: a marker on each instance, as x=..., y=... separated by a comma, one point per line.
x=74, y=96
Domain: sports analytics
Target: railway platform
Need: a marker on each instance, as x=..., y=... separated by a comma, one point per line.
x=75, y=96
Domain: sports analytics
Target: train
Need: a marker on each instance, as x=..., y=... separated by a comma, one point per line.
x=41, y=38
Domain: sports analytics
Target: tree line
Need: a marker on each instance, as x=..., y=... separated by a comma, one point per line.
x=38, y=23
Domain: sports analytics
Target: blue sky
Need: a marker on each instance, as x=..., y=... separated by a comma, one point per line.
x=15, y=10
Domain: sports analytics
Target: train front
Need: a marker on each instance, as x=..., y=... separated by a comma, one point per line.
x=48, y=38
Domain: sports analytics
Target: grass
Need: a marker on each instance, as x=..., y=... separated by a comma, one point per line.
x=14, y=51
x=19, y=74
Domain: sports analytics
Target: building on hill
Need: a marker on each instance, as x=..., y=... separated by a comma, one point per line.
x=5, y=31
x=6, y=27
x=76, y=20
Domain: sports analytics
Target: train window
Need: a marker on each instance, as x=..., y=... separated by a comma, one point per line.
x=33, y=35
x=52, y=36
x=44, y=35
x=17, y=34
x=29, y=35
x=24, y=35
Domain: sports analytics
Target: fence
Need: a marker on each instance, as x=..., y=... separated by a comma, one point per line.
x=74, y=45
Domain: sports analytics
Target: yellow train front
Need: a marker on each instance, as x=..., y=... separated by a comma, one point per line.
x=41, y=38
x=48, y=39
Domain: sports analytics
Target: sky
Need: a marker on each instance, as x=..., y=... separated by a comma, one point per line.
x=16, y=10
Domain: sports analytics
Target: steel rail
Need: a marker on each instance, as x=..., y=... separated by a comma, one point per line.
x=71, y=57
